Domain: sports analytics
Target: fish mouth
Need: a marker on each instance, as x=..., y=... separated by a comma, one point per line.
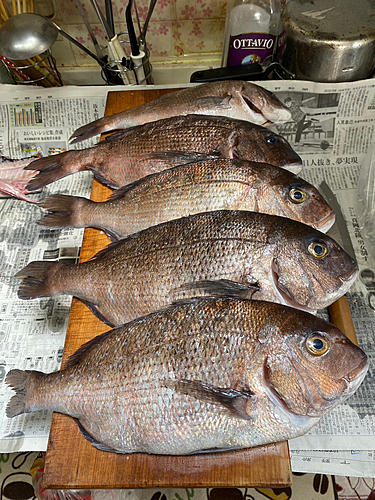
x=356, y=376
x=325, y=224
x=348, y=280
x=353, y=380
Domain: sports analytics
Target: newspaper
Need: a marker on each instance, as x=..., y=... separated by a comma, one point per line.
x=332, y=128
x=334, y=133
x=32, y=333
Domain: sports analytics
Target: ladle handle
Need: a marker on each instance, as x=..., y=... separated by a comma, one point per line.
x=82, y=47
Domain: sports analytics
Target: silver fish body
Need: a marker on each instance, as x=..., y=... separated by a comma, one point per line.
x=190, y=189
x=233, y=99
x=245, y=254
x=133, y=153
x=204, y=375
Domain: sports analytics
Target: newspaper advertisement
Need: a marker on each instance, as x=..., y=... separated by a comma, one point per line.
x=332, y=128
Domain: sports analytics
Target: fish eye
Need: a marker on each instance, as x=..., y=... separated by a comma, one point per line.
x=318, y=250
x=317, y=345
x=297, y=195
x=272, y=139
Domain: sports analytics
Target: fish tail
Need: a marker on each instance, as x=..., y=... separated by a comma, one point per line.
x=91, y=129
x=52, y=168
x=65, y=211
x=22, y=381
x=40, y=279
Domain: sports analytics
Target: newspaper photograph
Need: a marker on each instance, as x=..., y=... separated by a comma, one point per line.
x=332, y=128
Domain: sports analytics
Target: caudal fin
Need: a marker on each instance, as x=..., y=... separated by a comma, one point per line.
x=65, y=211
x=52, y=168
x=17, y=380
x=21, y=381
x=90, y=130
x=35, y=282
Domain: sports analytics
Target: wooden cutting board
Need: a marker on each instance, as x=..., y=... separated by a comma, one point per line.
x=73, y=463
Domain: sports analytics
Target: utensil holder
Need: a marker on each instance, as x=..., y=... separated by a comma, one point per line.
x=125, y=72
x=40, y=70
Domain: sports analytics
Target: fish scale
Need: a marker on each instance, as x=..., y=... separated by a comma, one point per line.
x=234, y=99
x=153, y=147
x=194, y=188
x=237, y=252
x=217, y=381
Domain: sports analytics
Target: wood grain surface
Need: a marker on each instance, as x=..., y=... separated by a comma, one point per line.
x=73, y=463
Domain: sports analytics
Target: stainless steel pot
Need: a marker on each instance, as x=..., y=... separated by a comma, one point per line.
x=329, y=41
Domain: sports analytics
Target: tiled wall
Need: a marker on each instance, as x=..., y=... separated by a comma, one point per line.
x=180, y=31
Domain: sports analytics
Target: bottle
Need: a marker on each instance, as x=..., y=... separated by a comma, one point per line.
x=251, y=31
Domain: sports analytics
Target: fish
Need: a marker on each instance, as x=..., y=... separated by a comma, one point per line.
x=234, y=99
x=14, y=178
x=190, y=189
x=226, y=252
x=131, y=154
x=202, y=375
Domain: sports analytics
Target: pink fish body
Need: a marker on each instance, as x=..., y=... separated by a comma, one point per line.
x=230, y=98
x=14, y=177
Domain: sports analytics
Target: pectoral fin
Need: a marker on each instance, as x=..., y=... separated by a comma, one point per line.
x=223, y=288
x=93, y=441
x=232, y=400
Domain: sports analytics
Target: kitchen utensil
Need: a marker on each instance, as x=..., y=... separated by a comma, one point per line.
x=142, y=41
x=10, y=65
x=4, y=14
x=137, y=17
x=39, y=70
x=26, y=35
x=148, y=17
x=109, y=75
x=329, y=41
x=109, y=32
x=136, y=55
x=29, y=43
x=251, y=72
x=109, y=14
x=115, y=51
x=82, y=12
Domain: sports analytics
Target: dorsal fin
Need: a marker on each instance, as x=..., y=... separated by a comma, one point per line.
x=75, y=358
x=108, y=247
x=119, y=193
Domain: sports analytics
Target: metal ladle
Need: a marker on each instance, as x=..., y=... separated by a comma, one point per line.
x=27, y=35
